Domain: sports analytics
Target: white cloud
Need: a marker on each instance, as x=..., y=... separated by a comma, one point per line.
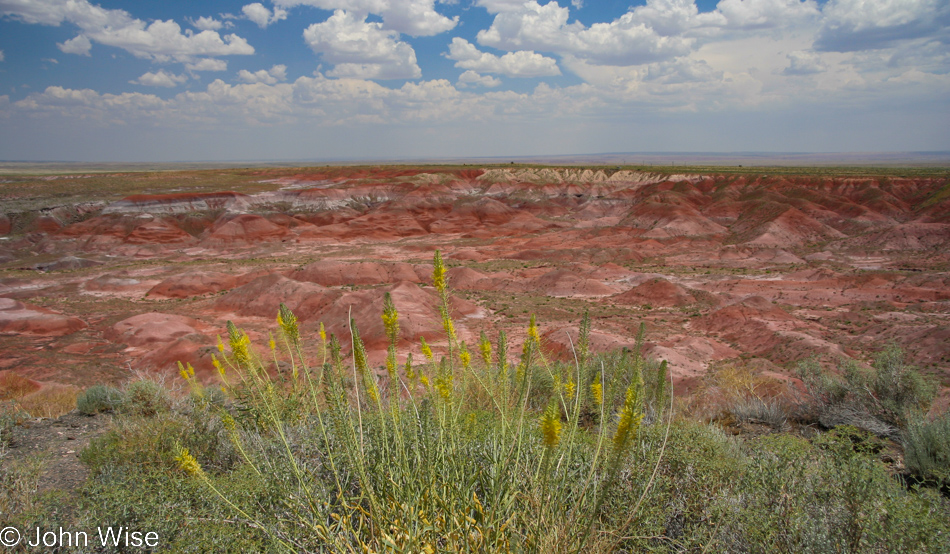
x=158, y=40
x=2, y=57
x=412, y=17
x=853, y=25
x=361, y=49
x=259, y=14
x=160, y=79
x=205, y=23
x=207, y=64
x=625, y=41
x=803, y=63
x=523, y=63
x=471, y=78
x=270, y=76
x=77, y=45
x=766, y=14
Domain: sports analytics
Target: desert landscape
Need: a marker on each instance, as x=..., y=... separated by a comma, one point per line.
x=106, y=275
x=508, y=358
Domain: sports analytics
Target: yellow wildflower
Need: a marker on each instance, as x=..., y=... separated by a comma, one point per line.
x=228, y=422
x=182, y=371
x=464, y=356
x=569, y=389
x=272, y=344
x=410, y=371
x=485, y=346
x=217, y=364
x=390, y=318
x=629, y=418
x=533, y=330
x=323, y=333
x=187, y=462
x=220, y=345
x=597, y=392
x=439, y=280
x=444, y=387
x=551, y=427
x=288, y=323
x=426, y=350
x=424, y=380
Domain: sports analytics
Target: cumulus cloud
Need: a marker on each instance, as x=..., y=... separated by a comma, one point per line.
x=625, y=41
x=259, y=14
x=765, y=14
x=656, y=31
x=77, y=45
x=361, y=49
x=207, y=64
x=853, y=25
x=270, y=76
x=471, y=78
x=159, y=40
x=523, y=63
x=160, y=79
x=803, y=63
x=207, y=24
x=416, y=18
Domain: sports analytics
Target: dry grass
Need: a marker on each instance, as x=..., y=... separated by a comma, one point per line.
x=14, y=386
x=50, y=401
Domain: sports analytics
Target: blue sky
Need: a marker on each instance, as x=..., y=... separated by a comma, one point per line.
x=107, y=80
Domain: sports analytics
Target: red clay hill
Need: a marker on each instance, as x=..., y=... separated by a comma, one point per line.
x=722, y=268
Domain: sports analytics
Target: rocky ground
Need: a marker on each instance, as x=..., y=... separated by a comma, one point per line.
x=722, y=268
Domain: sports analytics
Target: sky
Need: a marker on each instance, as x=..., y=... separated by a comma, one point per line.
x=177, y=80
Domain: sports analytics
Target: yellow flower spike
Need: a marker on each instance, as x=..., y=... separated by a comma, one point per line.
x=551, y=427
x=464, y=356
x=228, y=422
x=410, y=371
x=323, y=333
x=220, y=345
x=390, y=318
x=288, y=324
x=426, y=350
x=569, y=389
x=191, y=370
x=533, y=329
x=217, y=365
x=597, y=392
x=272, y=344
x=182, y=371
x=629, y=418
x=484, y=345
x=424, y=380
x=439, y=280
x=187, y=462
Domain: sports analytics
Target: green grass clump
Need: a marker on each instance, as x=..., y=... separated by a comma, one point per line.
x=99, y=398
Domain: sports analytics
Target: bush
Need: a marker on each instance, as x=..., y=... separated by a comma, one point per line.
x=877, y=399
x=927, y=447
x=145, y=398
x=99, y=398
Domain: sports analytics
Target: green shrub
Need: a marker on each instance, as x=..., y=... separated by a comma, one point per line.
x=927, y=447
x=99, y=398
x=145, y=398
x=876, y=399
